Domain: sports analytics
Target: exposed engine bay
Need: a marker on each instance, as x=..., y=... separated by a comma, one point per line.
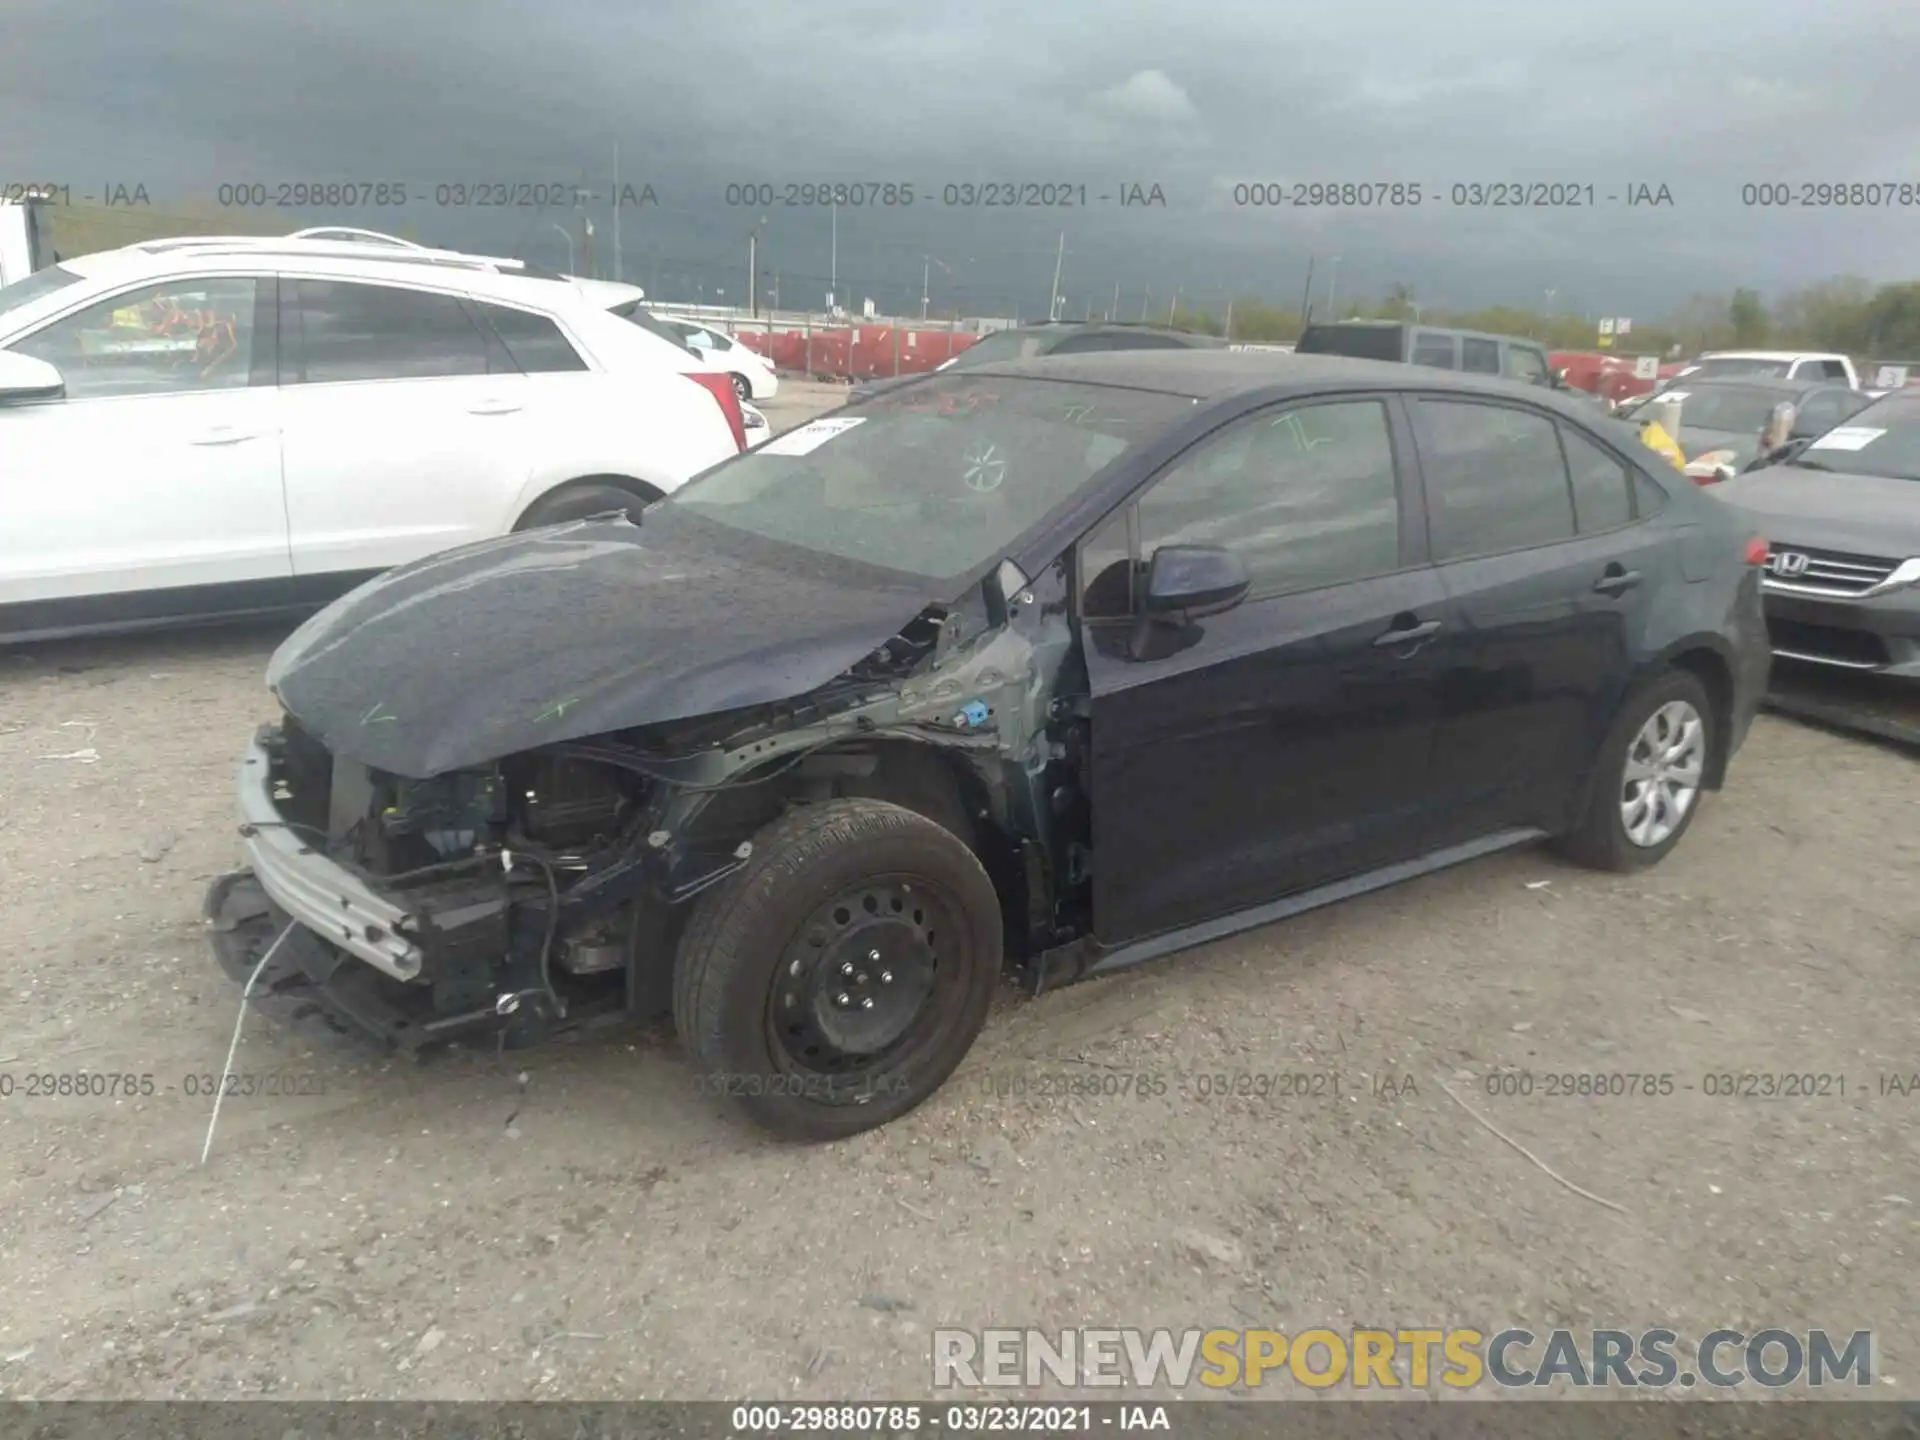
x=552, y=884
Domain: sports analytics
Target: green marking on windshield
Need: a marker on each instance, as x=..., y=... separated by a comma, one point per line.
x=556, y=710
x=375, y=716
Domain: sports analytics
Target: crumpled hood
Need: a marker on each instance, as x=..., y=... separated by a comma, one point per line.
x=1859, y=514
x=481, y=652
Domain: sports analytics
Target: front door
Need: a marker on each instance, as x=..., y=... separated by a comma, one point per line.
x=406, y=425
x=154, y=484
x=1284, y=743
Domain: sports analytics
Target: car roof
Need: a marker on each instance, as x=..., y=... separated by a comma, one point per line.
x=467, y=274
x=1770, y=355
x=1216, y=374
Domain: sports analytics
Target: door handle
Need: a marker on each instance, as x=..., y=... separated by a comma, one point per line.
x=1617, y=582
x=224, y=435
x=494, y=407
x=1409, y=635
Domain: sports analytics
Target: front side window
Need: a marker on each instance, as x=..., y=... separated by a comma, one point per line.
x=171, y=338
x=1495, y=477
x=354, y=331
x=1431, y=349
x=1307, y=497
x=1526, y=364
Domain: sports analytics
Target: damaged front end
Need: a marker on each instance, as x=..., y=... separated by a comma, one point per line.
x=552, y=885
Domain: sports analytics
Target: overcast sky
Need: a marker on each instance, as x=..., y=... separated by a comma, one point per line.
x=1193, y=96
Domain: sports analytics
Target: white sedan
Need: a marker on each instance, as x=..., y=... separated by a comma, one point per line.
x=753, y=377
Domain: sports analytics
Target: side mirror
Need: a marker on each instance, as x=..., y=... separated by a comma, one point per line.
x=1190, y=581
x=1559, y=380
x=24, y=379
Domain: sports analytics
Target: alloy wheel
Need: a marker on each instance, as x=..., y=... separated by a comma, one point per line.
x=1661, y=779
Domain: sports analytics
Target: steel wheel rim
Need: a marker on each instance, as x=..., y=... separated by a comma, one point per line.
x=1661, y=778
x=837, y=1017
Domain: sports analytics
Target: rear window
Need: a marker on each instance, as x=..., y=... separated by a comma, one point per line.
x=636, y=312
x=1002, y=345
x=1359, y=342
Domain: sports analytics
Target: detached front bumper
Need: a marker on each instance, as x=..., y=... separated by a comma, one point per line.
x=314, y=890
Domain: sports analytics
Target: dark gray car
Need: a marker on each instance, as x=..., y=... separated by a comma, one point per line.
x=1843, y=515
x=1028, y=342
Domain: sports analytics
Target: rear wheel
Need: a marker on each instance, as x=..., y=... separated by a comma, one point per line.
x=836, y=981
x=1650, y=778
x=582, y=502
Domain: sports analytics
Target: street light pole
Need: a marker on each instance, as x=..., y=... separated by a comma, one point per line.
x=566, y=235
x=1333, y=279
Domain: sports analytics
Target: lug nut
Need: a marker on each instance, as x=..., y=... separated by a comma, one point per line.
x=861, y=978
x=867, y=1004
x=843, y=999
x=846, y=967
x=873, y=955
x=886, y=977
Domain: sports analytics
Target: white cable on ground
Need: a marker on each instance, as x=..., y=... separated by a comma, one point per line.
x=234, y=1047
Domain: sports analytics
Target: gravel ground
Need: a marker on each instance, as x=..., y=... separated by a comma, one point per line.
x=576, y=1222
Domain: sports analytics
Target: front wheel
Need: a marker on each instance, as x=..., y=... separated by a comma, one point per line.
x=1650, y=777
x=743, y=387
x=841, y=976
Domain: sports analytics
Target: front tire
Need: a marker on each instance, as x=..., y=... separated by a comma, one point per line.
x=839, y=978
x=743, y=387
x=1650, y=777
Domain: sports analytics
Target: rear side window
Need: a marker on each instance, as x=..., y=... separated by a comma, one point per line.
x=1648, y=497
x=1480, y=357
x=1432, y=349
x=1089, y=344
x=1602, y=485
x=1496, y=480
x=537, y=345
x=354, y=331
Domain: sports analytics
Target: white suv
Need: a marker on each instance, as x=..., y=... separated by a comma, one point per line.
x=217, y=428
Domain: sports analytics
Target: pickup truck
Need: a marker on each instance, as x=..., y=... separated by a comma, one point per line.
x=1772, y=365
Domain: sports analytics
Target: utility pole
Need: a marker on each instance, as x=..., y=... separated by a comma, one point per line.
x=1145, y=299
x=1229, y=330
x=1053, y=300
x=616, y=209
x=1333, y=278
x=753, y=273
x=1306, y=297
x=1173, y=305
x=833, y=257
x=1114, y=313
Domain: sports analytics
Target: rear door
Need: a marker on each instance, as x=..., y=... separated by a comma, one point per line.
x=407, y=424
x=1284, y=743
x=1536, y=540
x=159, y=470
x=1527, y=363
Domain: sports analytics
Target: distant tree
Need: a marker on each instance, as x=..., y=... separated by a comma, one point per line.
x=1749, y=319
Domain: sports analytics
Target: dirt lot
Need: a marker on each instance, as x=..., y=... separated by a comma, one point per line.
x=577, y=1222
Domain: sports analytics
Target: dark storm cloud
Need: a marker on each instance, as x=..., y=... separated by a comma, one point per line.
x=1196, y=97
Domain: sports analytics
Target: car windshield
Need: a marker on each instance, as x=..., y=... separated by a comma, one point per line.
x=1741, y=408
x=1882, y=440
x=35, y=287
x=936, y=481
x=1739, y=365
x=1001, y=345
